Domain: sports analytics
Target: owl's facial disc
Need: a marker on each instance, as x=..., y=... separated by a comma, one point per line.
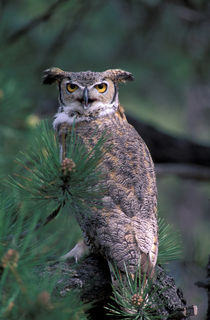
x=83, y=98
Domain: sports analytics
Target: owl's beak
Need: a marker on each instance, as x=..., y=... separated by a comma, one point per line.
x=85, y=98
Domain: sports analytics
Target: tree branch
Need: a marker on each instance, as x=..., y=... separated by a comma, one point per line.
x=92, y=278
x=69, y=29
x=44, y=17
x=166, y=148
x=185, y=171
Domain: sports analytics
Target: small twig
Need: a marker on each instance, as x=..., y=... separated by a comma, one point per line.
x=184, y=313
x=186, y=171
x=69, y=29
x=52, y=215
x=189, y=14
x=2, y=7
x=44, y=17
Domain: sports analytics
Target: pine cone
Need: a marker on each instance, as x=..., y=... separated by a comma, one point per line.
x=10, y=258
x=137, y=299
x=67, y=166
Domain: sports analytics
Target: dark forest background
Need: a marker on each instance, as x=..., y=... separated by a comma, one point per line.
x=166, y=45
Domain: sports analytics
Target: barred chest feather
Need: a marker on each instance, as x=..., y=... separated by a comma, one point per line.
x=126, y=226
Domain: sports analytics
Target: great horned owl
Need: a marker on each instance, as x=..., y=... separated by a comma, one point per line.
x=124, y=230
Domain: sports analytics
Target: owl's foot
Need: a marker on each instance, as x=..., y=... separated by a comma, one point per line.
x=76, y=253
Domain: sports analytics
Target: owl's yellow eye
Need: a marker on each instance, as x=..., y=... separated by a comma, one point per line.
x=71, y=87
x=101, y=87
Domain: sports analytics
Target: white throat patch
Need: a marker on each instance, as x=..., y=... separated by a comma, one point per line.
x=67, y=115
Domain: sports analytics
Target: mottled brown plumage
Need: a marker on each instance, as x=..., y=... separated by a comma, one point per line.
x=124, y=230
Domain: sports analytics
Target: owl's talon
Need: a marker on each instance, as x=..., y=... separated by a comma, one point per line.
x=76, y=253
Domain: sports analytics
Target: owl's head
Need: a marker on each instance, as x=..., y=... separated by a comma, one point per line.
x=86, y=95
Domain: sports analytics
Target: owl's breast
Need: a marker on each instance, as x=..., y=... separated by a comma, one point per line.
x=126, y=225
x=127, y=164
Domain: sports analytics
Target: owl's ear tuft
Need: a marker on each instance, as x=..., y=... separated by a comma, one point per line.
x=118, y=75
x=53, y=74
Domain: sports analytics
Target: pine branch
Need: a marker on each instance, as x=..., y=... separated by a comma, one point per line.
x=74, y=182
x=134, y=297
x=22, y=295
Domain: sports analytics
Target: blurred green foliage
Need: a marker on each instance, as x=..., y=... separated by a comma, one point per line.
x=165, y=44
x=152, y=39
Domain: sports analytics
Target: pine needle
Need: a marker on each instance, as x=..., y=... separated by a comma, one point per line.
x=169, y=243
x=44, y=179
